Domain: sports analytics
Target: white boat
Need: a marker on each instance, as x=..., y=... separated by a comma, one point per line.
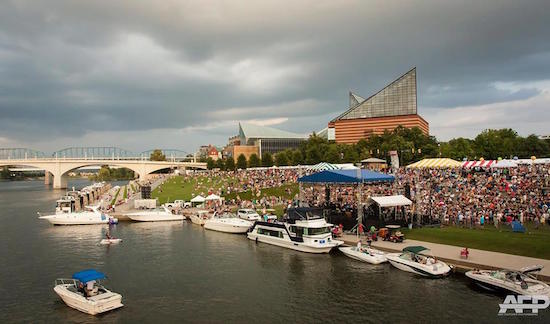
x=200, y=217
x=85, y=293
x=521, y=282
x=308, y=234
x=110, y=241
x=364, y=254
x=91, y=215
x=65, y=205
x=154, y=215
x=418, y=259
x=227, y=223
x=248, y=214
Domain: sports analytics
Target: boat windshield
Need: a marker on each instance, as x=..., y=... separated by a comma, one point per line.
x=316, y=231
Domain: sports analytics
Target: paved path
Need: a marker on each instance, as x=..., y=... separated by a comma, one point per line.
x=477, y=258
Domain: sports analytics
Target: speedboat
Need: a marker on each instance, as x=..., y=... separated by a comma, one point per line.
x=91, y=215
x=248, y=214
x=227, y=223
x=419, y=260
x=85, y=293
x=154, y=215
x=522, y=282
x=365, y=254
x=300, y=232
x=200, y=217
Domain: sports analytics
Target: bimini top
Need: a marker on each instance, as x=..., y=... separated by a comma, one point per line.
x=345, y=176
x=415, y=249
x=88, y=275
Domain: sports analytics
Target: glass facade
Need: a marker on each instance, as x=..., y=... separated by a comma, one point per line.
x=398, y=98
x=275, y=145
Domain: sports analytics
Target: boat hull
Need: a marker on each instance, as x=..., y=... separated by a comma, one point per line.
x=500, y=286
x=226, y=228
x=84, y=218
x=362, y=256
x=110, y=241
x=197, y=220
x=395, y=261
x=298, y=246
x=94, y=305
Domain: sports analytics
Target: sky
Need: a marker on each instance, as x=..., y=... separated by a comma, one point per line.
x=180, y=74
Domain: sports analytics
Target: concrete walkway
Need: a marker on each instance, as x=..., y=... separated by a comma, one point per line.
x=480, y=259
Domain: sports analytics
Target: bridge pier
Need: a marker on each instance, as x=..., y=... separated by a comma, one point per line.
x=60, y=181
x=48, y=178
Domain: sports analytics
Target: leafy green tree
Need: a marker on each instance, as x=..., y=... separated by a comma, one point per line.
x=157, y=155
x=241, y=162
x=230, y=164
x=297, y=158
x=5, y=174
x=210, y=163
x=254, y=161
x=267, y=159
x=281, y=159
x=220, y=164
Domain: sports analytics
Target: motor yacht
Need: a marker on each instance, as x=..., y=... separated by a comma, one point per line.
x=200, y=217
x=65, y=205
x=162, y=214
x=522, y=282
x=227, y=223
x=89, y=216
x=248, y=214
x=85, y=293
x=419, y=260
x=299, y=231
x=364, y=254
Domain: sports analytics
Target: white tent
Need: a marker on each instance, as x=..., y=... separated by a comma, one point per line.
x=504, y=164
x=542, y=161
x=213, y=197
x=323, y=166
x=346, y=166
x=198, y=199
x=392, y=201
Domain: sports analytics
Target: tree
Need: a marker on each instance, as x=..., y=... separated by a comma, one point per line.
x=5, y=174
x=230, y=164
x=281, y=159
x=220, y=164
x=210, y=163
x=157, y=155
x=297, y=158
x=267, y=159
x=241, y=161
x=254, y=161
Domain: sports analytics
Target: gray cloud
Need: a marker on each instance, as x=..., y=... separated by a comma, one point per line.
x=115, y=72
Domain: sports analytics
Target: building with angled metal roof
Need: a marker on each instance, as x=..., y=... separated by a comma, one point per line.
x=255, y=139
x=395, y=105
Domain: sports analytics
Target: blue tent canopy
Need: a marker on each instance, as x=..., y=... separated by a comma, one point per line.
x=346, y=176
x=88, y=275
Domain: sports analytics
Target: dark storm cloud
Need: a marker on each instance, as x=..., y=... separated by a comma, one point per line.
x=71, y=68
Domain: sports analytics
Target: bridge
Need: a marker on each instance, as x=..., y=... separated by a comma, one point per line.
x=60, y=163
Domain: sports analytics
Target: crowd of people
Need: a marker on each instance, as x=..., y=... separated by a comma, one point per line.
x=468, y=197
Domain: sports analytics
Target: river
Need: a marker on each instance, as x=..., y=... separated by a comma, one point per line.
x=177, y=271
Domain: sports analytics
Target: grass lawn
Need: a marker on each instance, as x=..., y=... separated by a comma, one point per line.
x=113, y=201
x=125, y=195
x=533, y=243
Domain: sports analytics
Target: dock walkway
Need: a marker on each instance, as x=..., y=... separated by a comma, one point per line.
x=480, y=259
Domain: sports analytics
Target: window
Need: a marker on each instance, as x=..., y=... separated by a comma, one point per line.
x=316, y=231
x=264, y=231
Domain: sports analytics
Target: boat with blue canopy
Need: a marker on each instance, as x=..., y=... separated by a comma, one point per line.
x=85, y=292
x=419, y=260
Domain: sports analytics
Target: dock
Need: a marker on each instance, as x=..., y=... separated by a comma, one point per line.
x=477, y=259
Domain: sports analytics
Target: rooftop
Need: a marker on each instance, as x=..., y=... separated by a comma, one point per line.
x=256, y=131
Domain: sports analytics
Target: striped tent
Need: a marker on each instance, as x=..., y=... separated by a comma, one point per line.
x=435, y=163
x=323, y=166
x=480, y=164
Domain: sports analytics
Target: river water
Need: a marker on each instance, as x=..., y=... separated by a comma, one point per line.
x=176, y=271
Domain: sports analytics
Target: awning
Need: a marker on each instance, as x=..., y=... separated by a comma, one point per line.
x=415, y=249
x=392, y=201
x=346, y=176
x=435, y=163
x=504, y=164
x=88, y=275
x=198, y=199
x=213, y=197
x=323, y=166
x=373, y=160
x=480, y=164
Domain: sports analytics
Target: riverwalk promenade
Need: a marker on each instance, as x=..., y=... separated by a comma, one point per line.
x=451, y=254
